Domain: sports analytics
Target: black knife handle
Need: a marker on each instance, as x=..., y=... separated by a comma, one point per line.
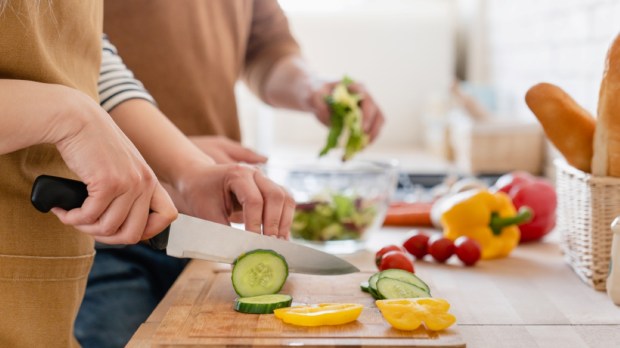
x=52, y=191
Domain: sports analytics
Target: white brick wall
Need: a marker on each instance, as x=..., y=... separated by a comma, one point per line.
x=559, y=41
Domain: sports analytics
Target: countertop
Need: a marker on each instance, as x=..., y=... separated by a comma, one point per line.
x=530, y=299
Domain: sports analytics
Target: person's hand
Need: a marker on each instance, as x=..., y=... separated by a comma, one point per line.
x=373, y=117
x=122, y=188
x=235, y=193
x=225, y=151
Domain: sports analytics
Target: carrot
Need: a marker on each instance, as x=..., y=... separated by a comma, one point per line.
x=408, y=214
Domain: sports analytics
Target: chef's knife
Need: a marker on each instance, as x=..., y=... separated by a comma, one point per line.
x=196, y=238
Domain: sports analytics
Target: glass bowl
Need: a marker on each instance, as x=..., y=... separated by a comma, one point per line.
x=338, y=204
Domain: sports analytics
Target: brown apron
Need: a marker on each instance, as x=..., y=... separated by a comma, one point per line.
x=43, y=263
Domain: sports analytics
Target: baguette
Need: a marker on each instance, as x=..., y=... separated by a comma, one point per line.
x=568, y=126
x=606, y=160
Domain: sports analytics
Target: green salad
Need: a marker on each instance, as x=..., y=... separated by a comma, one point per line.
x=346, y=120
x=336, y=218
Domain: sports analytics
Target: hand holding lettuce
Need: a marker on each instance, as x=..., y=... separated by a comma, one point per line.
x=346, y=118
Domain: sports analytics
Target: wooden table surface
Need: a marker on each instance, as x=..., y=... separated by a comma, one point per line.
x=530, y=299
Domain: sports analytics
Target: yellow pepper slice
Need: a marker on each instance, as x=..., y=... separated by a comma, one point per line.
x=409, y=314
x=321, y=314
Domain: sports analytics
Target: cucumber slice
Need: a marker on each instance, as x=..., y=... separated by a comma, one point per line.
x=264, y=304
x=406, y=277
x=389, y=288
x=372, y=286
x=372, y=281
x=259, y=272
x=364, y=286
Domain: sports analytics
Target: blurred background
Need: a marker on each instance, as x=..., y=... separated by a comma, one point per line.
x=450, y=76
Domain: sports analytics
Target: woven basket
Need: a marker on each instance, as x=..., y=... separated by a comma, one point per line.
x=496, y=147
x=586, y=207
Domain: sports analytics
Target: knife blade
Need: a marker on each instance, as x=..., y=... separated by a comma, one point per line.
x=190, y=237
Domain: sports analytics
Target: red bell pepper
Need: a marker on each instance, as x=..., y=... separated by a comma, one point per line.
x=527, y=190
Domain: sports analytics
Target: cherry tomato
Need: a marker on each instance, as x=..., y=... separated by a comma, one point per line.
x=468, y=250
x=384, y=250
x=396, y=259
x=417, y=245
x=441, y=248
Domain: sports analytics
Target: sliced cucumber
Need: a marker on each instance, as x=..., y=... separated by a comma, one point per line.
x=372, y=281
x=372, y=286
x=259, y=272
x=263, y=304
x=406, y=277
x=364, y=286
x=389, y=288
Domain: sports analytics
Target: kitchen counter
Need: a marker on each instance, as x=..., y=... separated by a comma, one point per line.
x=531, y=299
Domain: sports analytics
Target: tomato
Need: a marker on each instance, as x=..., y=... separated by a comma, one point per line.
x=396, y=259
x=441, y=248
x=417, y=245
x=384, y=250
x=468, y=250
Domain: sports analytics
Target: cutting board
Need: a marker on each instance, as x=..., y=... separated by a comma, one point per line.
x=203, y=316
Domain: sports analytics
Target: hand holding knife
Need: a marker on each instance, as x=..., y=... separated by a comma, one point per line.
x=196, y=238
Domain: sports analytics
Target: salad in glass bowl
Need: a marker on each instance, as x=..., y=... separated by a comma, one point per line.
x=338, y=203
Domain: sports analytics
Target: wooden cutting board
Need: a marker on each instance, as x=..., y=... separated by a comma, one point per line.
x=203, y=316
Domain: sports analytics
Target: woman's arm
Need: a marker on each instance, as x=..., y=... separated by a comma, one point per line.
x=198, y=186
x=121, y=186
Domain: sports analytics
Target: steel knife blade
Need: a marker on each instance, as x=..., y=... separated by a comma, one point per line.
x=191, y=237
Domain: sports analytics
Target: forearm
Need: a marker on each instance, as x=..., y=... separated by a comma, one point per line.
x=36, y=113
x=166, y=149
x=290, y=84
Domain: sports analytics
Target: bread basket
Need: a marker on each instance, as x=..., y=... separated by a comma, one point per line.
x=586, y=207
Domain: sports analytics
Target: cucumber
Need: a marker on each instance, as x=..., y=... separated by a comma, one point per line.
x=372, y=286
x=259, y=272
x=389, y=288
x=406, y=277
x=263, y=304
x=364, y=286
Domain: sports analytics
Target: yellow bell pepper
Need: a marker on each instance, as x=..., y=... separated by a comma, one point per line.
x=489, y=218
x=321, y=314
x=408, y=314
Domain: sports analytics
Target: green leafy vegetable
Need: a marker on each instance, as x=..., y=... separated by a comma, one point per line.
x=338, y=218
x=346, y=117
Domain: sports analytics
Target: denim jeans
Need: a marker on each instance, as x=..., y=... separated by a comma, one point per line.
x=124, y=286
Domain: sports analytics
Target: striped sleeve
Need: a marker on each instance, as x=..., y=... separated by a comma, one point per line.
x=116, y=82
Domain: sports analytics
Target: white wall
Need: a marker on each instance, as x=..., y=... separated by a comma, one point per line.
x=403, y=50
x=562, y=42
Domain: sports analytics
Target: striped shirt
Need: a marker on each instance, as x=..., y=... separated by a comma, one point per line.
x=117, y=83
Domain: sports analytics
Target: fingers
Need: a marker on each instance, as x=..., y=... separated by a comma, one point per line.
x=125, y=219
x=238, y=153
x=275, y=214
x=226, y=151
x=318, y=104
x=131, y=231
x=266, y=205
x=245, y=190
x=288, y=211
x=163, y=213
x=373, y=117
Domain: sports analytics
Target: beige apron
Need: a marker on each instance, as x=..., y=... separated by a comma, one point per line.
x=43, y=263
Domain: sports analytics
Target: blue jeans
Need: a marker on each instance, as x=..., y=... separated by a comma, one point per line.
x=124, y=286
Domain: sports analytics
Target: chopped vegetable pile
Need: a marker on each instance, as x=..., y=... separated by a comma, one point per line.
x=336, y=218
x=346, y=117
